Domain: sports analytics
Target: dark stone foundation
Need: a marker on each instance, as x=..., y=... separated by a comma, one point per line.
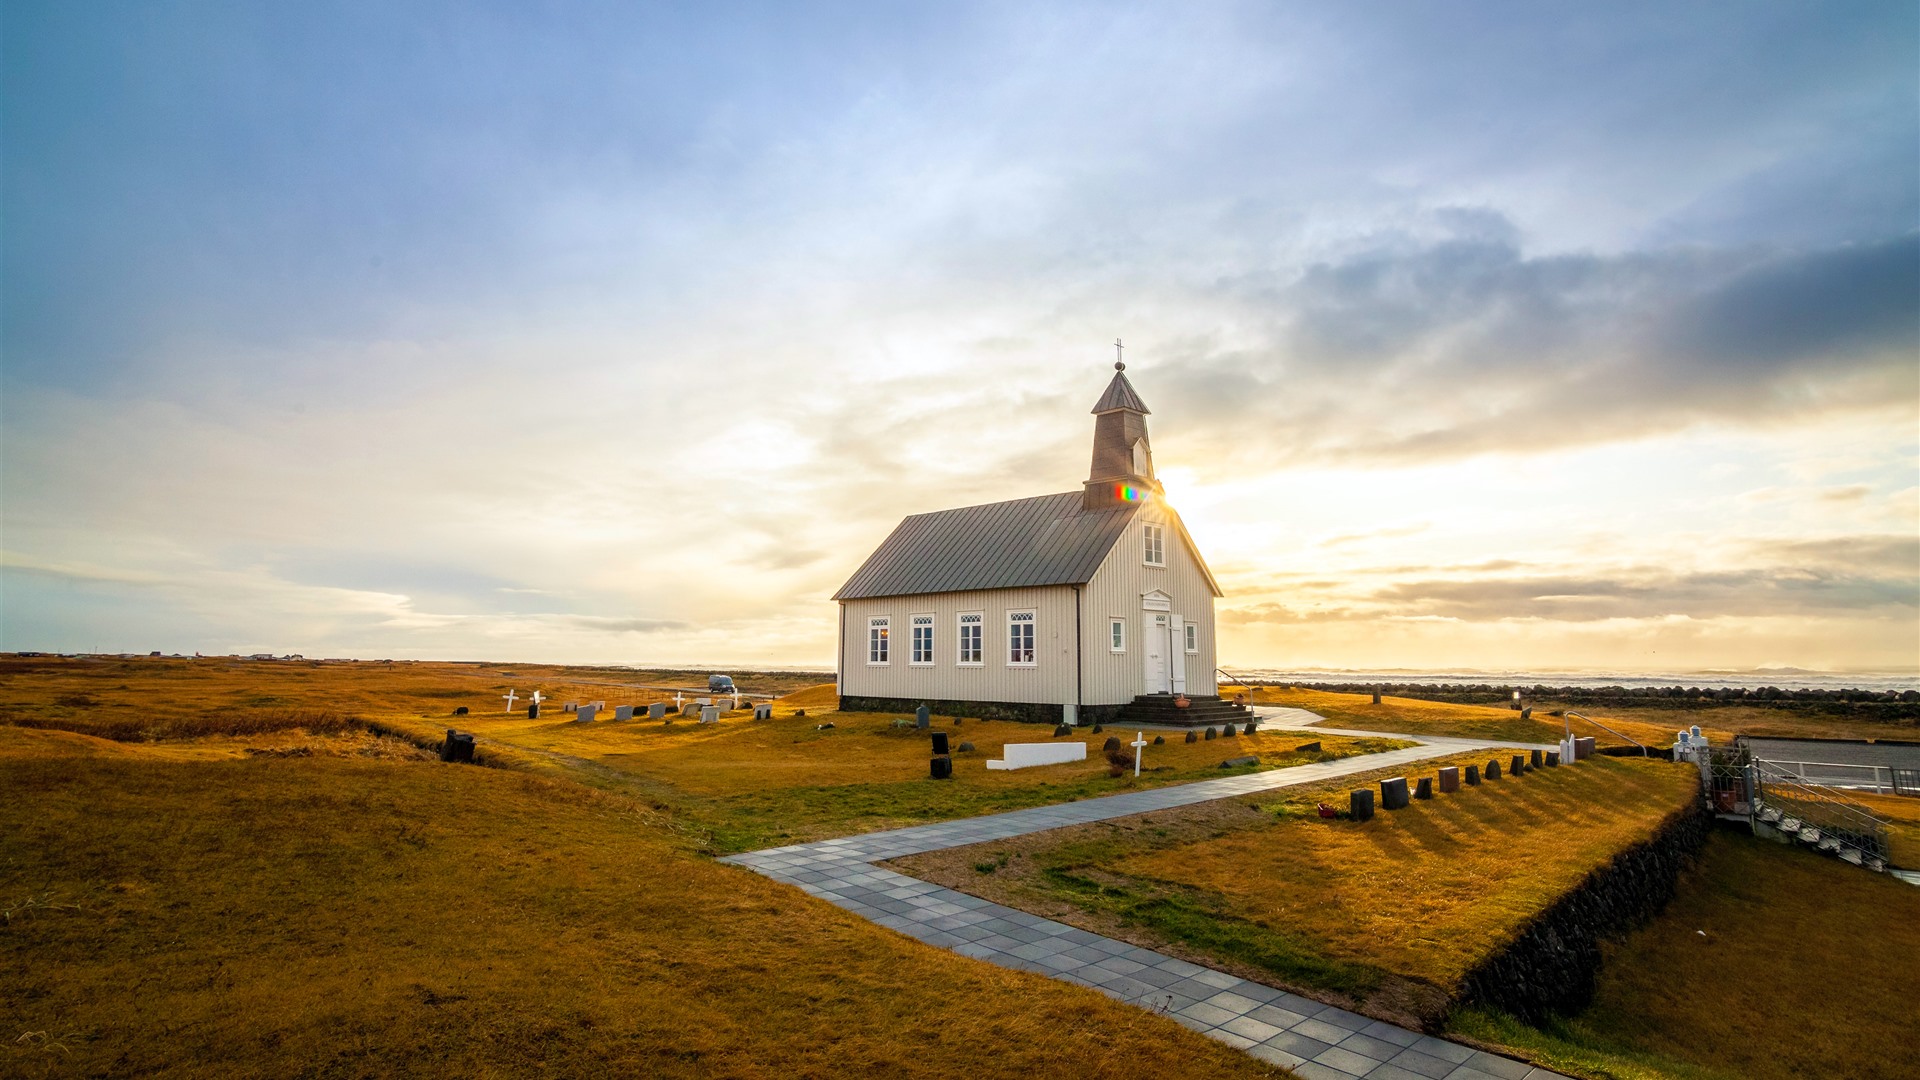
x=1026, y=712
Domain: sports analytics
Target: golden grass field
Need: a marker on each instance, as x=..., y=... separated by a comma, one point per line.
x=1805, y=969
x=1416, y=717
x=1387, y=915
x=342, y=904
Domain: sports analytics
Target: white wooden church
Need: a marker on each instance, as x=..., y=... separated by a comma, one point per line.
x=1086, y=606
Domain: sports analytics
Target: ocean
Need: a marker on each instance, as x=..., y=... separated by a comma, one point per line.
x=1752, y=679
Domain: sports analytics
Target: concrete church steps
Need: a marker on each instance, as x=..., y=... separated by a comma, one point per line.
x=1316, y=1041
x=1160, y=710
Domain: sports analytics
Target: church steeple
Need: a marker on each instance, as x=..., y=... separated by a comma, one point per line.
x=1122, y=470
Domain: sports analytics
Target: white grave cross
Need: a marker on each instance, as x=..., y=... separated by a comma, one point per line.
x=536, y=697
x=677, y=702
x=510, y=695
x=1139, y=740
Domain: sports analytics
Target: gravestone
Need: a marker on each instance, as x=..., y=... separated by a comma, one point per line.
x=657, y=710
x=585, y=714
x=1110, y=745
x=1376, y=697
x=965, y=748
x=1534, y=761
x=1159, y=740
x=1473, y=776
x=1424, y=789
x=940, y=744
x=1062, y=730
x=709, y=714
x=1248, y=730
x=1227, y=731
x=1212, y=734
x=571, y=706
x=1360, y=804
x=1526, y=713
x=461, y=711
x=1193, y=736
x=457, y=747
x=1553, y=759
x=1236, y=762
x=1098, y=728
x=942, y=768
x=1393, y=793
x=1307, y=748
x=690, y=709
x=1450, y=779
x=763, y=712
x=922, y=718
x=1583, y=748
x=1493, y=770
x=1518, y=765
x=533, y=712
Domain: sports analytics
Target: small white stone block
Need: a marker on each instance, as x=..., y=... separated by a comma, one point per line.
x=1027, y=755
x=709, y=714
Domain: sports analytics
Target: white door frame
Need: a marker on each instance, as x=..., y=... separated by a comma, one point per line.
x=1177, y=654
x=1156, y=638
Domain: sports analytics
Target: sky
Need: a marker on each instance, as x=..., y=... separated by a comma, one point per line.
x=1476, y=335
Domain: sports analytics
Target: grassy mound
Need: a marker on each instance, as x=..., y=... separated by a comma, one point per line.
x=343, y=915
x=1387, y=914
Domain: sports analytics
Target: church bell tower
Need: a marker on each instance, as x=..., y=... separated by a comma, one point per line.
x=1122, y=471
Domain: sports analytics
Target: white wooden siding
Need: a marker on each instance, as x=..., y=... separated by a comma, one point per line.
x=1114, y=593
x=1050, y=680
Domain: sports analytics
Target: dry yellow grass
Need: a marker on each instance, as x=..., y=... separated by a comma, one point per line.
x=1805, y=969
x=1416, y=717
x=361, y=910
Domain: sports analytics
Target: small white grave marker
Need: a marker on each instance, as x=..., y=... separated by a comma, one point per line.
x=1139, y=740
x=509, y=695
x=677, y=700
x=537, y=697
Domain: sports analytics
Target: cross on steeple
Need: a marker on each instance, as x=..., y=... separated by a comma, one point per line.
x=1119, y=357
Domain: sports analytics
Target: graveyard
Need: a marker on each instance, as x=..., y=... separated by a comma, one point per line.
x=211, y=867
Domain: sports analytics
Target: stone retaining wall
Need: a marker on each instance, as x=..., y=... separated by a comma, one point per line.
x=1550, y=967
x=1027, y=712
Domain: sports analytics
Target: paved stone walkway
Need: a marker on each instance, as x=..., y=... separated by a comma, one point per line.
x=1316, y=1041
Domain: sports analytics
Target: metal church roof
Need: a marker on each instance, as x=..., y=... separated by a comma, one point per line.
x=1120, y=395
x=1045, y=540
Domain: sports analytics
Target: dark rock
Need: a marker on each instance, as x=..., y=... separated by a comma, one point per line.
x=533, y=712
x=1360, y=804
x=1236, y=762
x=1518, y=765
x=1110, y=745
x=803, y=712
x=1493, y=770
x=1450, y=779
x=1376, y=697
x=1553, y=759
x=966, y=748
x=1533, y=761
x=1161, y=740
x=457, y=747
x=1248, y=730
x=1062, y=730
x=1193, y=737
x=1098, y=728
x=1393, y=793
x=1212, y=734
x=1424, y=789
x=461, y=711
x=1228, y=732
x=1307, y=748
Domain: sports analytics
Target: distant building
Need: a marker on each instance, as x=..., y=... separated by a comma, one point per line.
x=1086, y=605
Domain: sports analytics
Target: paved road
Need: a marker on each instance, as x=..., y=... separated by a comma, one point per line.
x=1316, y=1041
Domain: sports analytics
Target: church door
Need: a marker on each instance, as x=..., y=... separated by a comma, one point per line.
x=1154, y=638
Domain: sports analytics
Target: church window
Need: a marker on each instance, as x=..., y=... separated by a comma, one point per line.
x=877, y=639
x=1193, y=638
x=922, y=639
x=971, y=623
x=1117, y=635
x=1020, y=638
x=1156, y=545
